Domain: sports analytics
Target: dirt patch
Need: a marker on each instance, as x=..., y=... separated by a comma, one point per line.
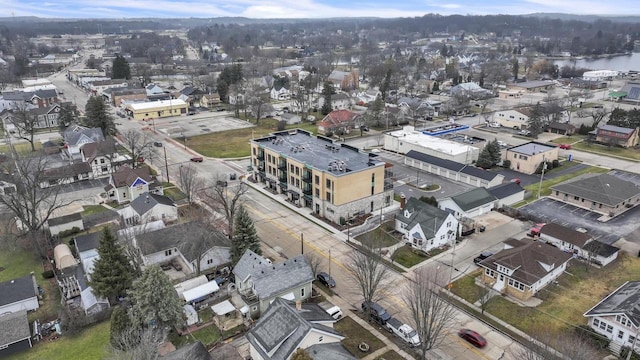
x=492, y=220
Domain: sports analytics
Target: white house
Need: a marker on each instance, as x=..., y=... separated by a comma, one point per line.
x=77, y=136
x=19, y=294
x=280, y=93
x=616, y=316
x=102, y=155
x=283, y=329
x=507, y=194
x=149, y=207
x=516, y=118
x=426, y=227
x=127, y=184
x=338, y=102
x=564, y=238
x=469, y=204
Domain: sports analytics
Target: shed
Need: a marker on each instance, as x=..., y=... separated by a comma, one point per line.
x=190, y=284
x=63, y=257
x=191, y=314
x=15, y=335
x=199, y=293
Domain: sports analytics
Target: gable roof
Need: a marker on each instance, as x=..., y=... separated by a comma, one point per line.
x=473, y=198
x=624, y=300
x=126, y=176
x=600, y=248
x=14, y=327
x=272, y=279
x=601, y=188
x=195, y=351
x=616, y=129
x=428, y=216
x=87, y=242
x=74, y=134
x=147, y=201
x=452, y=165
x=281, y=329
x=313, y=312
x=565, y=234
x=527, y=260
x=99, y=148
x=504, y=190
x=330, y=351
x=338, y=117
x=18, y=289
x=181, y=236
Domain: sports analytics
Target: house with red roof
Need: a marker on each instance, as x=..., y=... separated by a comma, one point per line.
x=344, y=120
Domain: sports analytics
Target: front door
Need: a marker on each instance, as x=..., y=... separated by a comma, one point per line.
x=499, y=285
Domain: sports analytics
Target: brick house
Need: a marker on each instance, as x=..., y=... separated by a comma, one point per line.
x=616, y=135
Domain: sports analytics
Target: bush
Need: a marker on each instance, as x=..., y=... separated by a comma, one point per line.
x=506, y=164
x=555, y=163
x=281, y=125
x=328, y=134
x=47, y=274
x=72, y=231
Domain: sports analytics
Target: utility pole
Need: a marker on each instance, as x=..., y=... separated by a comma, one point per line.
x=329, y=262
x=166, y=165
x=302, y=243
x=348, y=231
x=544, y=167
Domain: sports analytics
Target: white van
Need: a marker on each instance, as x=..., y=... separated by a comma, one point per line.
x=334, y=312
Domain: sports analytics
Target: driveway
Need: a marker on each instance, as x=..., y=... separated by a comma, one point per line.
x=549, y=210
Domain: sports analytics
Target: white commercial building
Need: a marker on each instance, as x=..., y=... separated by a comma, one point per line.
x=600, y=75
x=407, y=139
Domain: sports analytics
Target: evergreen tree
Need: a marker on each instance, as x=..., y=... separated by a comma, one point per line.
x=228, y=76
x=67, y=116
x=484, y=158
x=536, y=120
x=327, y=91
x=112, y=272
x=155, y=301
x=245, y=236
x=120, y=68
x=436, y=86
x=97, y=116
x=516, y=69
x=494, y=152
x=443, y=50
x=386, y=83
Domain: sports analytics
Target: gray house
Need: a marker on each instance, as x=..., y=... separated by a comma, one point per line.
x=426, y=227
x=259, y=281
x=283, y=329
x=15, y=335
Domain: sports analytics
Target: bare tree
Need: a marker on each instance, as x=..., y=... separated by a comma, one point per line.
x=140, y=144
x=199, y=236
x=25, y=124
x=431, y=313
x=225, y=199
x=31, y=204
x=553, y=345
x=256, y=99
x=138, y=344
x=367, y=271
x=189, y=182
x=485, y=293
x=598, y=115
x=314, y=262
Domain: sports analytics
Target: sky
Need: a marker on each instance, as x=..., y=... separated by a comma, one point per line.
x=304, y=8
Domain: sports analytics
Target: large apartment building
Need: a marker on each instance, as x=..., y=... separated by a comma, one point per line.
x=336, y=181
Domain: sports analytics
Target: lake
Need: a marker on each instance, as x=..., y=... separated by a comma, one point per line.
x=620, y=63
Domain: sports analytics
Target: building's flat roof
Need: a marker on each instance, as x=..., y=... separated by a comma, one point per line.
x=432, y=142
x=533, y=84
x=318, y=152
x=157, y=104
x=531, y=148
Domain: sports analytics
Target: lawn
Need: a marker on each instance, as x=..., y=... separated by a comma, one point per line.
x=466, y=287
x=356, y=334
x=21, y=147
x=408, y=257
x=390, y=355
x=93, y=209
x=613, y=151
x=563, y=304
x=207, y=335
x=174, y=194
x=91, y=344
x=235, y=143
x=569, y=139
x=380, y=237
x=547, y=184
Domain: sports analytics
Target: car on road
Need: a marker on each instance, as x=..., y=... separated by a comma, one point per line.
x=502, y=144
x=157, y=144
x=524, y=132
x=565, y=146
x=196, y=159
x=494, y=124
x=472, y=337
x=483, y=255
x=326, y=279
x=377, y=312
x=219, y=109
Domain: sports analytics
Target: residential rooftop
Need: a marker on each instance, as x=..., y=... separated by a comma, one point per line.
x=318, y=152
x=624, y=300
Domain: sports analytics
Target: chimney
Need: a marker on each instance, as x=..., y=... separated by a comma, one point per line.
x=299, y=305
x=403, y=201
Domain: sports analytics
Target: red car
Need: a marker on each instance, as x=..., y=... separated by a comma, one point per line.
x=472, y=337
x=565, y=146
x=196, y=159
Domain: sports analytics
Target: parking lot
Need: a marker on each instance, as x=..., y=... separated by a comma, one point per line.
x=199, y=124
x=552, y=211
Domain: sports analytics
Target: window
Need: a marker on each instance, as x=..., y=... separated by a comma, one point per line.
x=373, y=178
x=602, y=325
x=209, y=261
x=317, y=192
x=576, y=198
x=254, y=151
x=167, y=252
x=328, y=197
x=372, y=190
x=449, y=224
x=632, y=339
x=291, y=167
x=104, y=169
x=442, y=237
x=320, y=338
x=302, y=292
x=297, y=170
x=596, y=322
x=317, y=180
x=609, y=328
x=620, y=334
x=101, y=161
x=328, y=184
x=557, y=193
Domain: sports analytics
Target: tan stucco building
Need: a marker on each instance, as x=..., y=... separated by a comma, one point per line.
x=527, y=157
x=157, y=109
x=334, y=181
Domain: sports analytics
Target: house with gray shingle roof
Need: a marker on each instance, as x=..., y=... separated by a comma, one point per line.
x=260, y=281
x=507, y=193
x=15, y=334
x=616, y=135
x=102, y=156
x=281, y=330
x=564, y=238
x=469, y=204
x=524, y=268
x=426, y=227
x=601, y=193
x=617, y=316
x=76, y=136
x=19, y=294
x=127, y=184
x=149, y=207
x=191, y=242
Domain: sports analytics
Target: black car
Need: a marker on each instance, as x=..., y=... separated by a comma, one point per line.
x=483, y=255
x=157, y=144
x=377, y=312
x=326, y=279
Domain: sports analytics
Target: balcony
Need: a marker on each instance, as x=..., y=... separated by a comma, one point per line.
x=306, y=177
x=307, y=190
x=388, y=185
